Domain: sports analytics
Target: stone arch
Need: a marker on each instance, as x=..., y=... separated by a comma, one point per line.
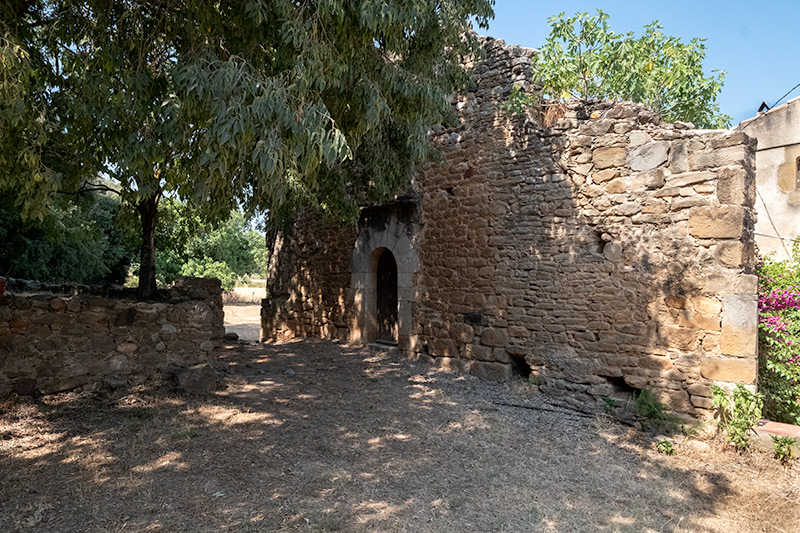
x=369, y=246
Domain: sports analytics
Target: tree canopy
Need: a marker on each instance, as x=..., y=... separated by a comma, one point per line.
x=189, y=246
x=584, y=59
x=80, y=240
x=267, y=104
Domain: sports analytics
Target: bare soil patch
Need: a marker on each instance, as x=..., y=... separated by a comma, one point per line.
x=244, y=320
x=316, y=436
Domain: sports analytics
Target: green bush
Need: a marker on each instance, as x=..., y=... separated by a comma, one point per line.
x=779, y=336
x=584, y=58
x=785, y=448
x=665, y=446
x=737, y=413
x=80, y=240
x=208, y=268
x=188, y=245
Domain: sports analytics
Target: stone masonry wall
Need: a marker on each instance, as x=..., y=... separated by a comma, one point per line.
x=594, y=247
x=308, y=279
x=54, y=343
x=605, y=250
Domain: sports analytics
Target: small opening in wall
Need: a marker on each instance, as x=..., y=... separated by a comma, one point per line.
x=619, y=384
x=599, y=243
x=520, y=366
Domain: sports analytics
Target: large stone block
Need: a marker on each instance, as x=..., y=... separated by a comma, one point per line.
x=609, y=157
x=198, y=379
x=476, y=351
x=732, y=369
x=442, y=348
x=492, y=371
x=494, y=337
x=462, y=333
x=603, y=176
x=730, y=254
x=679, y=157
x=690, y=178
x=739, y=325
x=717, y=222
x=454, y=364
x=677, y=337
x=723, y=283
x=735, y=186
x=705, y=305
x=740, y=310
x=649, y=156
x=733, y=155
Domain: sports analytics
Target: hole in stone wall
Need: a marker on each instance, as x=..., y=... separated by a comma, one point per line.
x=475, y=319
x=619, y=384
x=599, y=243
x=520, y=366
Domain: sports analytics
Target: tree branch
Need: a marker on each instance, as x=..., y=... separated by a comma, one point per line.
x=91, y=187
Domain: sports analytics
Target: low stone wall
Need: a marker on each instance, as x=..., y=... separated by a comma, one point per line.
x=53, y=343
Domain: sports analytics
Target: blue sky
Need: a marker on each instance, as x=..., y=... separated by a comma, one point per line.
x=756, y=43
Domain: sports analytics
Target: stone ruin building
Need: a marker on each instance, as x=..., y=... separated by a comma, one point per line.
x=593, y=249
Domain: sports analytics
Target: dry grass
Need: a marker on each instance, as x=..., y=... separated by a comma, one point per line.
x=348, y=441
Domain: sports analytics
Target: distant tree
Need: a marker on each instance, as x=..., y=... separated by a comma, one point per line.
x=266, y=103
x=81, y=242
x=584, y=59
x=187, y=245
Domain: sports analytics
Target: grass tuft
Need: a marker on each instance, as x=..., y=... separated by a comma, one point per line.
x=653, y=413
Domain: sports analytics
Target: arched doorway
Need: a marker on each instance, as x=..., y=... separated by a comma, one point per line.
x=386, y=289
x=391, y=246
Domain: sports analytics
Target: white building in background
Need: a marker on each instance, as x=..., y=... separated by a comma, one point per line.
x=777, y=176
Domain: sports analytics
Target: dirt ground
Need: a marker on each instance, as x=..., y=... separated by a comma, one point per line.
x=316, y=436
x=244, y=320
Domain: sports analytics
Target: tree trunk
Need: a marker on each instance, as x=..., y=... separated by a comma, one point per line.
x=148, y=212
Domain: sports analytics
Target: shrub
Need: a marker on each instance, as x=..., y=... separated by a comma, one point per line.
x=208, y=268
x=654, y=413
x=779, y=336
x=737, y=413
x=784, y=448
x=665, y=446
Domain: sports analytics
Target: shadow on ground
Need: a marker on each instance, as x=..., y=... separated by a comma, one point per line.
x=315, y=436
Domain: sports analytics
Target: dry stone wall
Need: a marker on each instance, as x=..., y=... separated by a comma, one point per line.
x=592, y=246
x=603, y=249
x=53, y=343
x=307, y=287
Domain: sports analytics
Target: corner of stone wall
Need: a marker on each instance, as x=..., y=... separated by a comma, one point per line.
x=727, y=228
x=308, y=292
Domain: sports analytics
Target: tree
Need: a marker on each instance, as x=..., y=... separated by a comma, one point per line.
x=78, y=241
x=269, y=104
x=189, y=246
x=584, y=59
